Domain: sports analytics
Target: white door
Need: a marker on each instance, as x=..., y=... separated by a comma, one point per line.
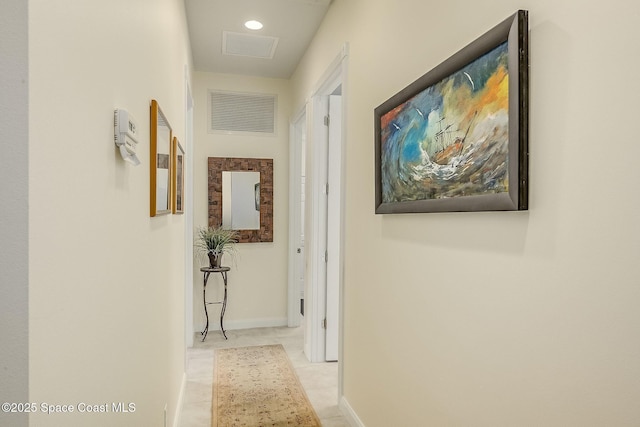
x=333, y=227
x=298, y=132
x=300, y=255
x=300, y=251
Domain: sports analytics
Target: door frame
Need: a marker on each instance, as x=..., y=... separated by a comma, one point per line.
x=334, y=77
x=188, y=216
x=334, y=228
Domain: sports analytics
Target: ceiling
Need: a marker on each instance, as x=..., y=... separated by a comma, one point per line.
x=221, y=44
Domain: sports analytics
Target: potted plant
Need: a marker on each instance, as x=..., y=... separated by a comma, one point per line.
x=215, y=242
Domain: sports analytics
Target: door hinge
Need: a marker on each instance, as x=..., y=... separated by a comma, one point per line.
x=326, y=189
x=324, y=323
x=327, y=119
x=326, y=256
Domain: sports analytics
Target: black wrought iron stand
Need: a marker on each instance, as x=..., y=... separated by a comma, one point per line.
x=207, y=271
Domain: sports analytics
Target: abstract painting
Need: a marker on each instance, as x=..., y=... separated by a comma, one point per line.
x=456, y=139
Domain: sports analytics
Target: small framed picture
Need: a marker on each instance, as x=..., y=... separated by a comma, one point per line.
x=178, y=177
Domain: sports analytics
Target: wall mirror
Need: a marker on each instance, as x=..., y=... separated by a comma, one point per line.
x=241, y=196
x=160, y=164
x=241, y=200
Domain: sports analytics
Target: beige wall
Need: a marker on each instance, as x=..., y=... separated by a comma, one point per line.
x=14, y=188
x=258, y=279
x=495, y=319
x=106, y=300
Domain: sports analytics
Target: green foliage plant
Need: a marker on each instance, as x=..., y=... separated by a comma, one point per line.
x=216, y=241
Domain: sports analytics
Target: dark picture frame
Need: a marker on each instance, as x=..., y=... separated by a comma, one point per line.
x=456, y=139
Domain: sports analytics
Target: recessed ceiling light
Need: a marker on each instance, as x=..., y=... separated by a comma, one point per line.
x=253, y=25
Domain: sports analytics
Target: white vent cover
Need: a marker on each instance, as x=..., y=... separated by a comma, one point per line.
x=240, y=44
x=242, y=112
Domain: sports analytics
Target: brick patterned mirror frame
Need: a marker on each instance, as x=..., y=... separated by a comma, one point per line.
x=216, y=165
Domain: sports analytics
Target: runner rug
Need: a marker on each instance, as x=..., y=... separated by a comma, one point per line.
x=257, y=386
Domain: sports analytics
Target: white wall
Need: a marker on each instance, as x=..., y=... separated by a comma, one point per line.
x=14, y=250
x=496, y=319
x=106, y=295
x=258, y=279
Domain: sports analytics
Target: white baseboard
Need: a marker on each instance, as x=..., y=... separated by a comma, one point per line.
x=349, y=413
x=272, y=322
x=183, y=386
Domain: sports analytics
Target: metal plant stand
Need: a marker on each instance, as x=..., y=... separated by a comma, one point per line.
x=207, y=271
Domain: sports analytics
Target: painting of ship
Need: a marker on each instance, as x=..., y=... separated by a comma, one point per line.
x=451, y=139
x=450, y=144
x=456, y=139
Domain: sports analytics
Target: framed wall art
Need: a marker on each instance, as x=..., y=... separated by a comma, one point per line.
x=456, y=139
x=177, y=179
x=160, y=165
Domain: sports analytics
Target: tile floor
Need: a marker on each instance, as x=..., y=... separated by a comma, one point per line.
x=320, y=380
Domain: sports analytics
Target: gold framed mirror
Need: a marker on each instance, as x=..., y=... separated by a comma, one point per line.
x=261, y=189
x=160, y=164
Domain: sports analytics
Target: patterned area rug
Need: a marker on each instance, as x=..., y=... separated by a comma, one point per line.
x=257, y=386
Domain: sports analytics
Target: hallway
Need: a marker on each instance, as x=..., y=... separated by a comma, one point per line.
x=320, y=380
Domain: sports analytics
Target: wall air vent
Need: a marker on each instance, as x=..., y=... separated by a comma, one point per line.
x=242, y=112
x=250, y=45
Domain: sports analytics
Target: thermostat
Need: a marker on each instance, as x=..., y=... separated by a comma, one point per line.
x=126, y=136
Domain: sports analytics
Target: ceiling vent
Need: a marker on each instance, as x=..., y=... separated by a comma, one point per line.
x=242, y=112
x=250, y=45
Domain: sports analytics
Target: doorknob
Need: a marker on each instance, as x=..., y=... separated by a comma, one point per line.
x=299, y=250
